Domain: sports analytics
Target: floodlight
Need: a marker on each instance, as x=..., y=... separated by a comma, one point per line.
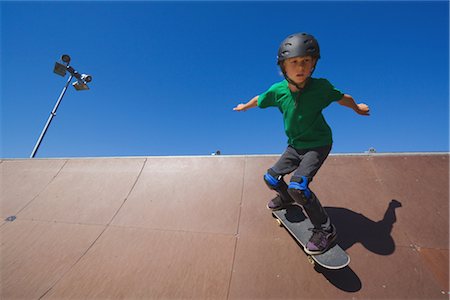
x=79, y=85
x=86, y=78
x=65, y=58
x=60, y=69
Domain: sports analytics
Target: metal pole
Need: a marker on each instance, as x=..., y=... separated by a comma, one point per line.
x=52, y=114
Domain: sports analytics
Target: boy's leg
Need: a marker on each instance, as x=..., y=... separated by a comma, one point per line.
x=324, y=231
x=287, y=163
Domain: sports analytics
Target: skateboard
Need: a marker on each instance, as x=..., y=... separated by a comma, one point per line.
x=298, y=225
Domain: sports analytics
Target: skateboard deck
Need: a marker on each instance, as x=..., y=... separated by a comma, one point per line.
x=298, y=225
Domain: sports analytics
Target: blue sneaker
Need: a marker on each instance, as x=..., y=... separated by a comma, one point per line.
x=320, y=241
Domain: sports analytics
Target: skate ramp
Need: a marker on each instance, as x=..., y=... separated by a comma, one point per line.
x=198, y=228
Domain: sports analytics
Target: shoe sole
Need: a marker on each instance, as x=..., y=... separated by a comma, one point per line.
x=274, y=209
x=333, y=241
x=280, y=208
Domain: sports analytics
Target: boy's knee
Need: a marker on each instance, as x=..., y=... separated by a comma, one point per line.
x=299, y=190
x=272, y=181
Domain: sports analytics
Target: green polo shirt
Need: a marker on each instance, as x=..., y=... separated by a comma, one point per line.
x=304, y=123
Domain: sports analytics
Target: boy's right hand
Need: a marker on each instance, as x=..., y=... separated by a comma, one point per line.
x=240, y=107
x=250, y=104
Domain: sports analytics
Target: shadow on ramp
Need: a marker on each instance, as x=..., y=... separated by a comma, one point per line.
x=354, y=228
x=344, y=279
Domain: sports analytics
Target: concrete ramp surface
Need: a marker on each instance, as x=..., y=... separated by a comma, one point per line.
x=198, y=228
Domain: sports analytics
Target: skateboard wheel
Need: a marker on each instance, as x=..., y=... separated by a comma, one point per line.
x=279, y=223
x=311, y=260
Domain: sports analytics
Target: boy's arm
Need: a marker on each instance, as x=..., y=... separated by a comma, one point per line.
x=349, y=102
x=250, y=104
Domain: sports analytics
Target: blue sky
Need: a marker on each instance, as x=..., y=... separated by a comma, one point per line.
x=166, y=75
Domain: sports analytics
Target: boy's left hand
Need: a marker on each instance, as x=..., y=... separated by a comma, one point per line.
x=362, y=109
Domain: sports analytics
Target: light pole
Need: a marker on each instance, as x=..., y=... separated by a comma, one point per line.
x=79, y=85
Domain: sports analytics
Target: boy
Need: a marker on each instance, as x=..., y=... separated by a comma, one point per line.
x=301, y=99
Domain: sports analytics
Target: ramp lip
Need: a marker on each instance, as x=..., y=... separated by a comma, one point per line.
x=229, y=156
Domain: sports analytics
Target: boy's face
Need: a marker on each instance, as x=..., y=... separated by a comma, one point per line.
x=299, y=68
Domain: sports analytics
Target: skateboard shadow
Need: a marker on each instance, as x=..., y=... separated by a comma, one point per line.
x=354, y=228
x=344, y=279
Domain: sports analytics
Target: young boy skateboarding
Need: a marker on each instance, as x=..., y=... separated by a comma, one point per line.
x=301, y=99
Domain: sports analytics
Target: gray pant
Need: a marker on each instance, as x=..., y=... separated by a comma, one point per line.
x=305, y=162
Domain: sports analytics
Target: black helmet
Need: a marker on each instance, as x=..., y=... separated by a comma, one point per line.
x=299, y=44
